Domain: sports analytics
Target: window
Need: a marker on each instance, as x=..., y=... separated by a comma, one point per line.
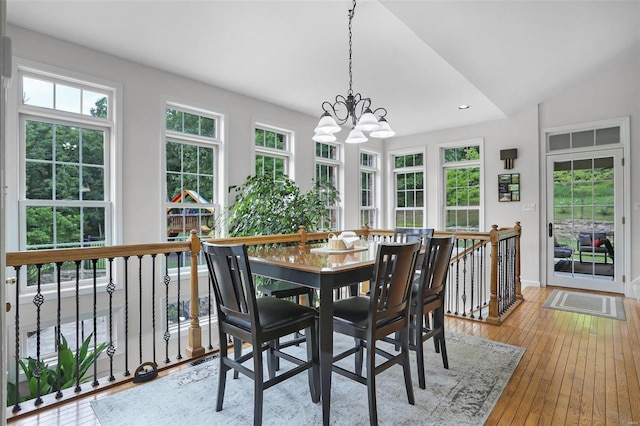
x=65, y=129
x=462, y=190
x=408, y=175
x=272, y=152
x=368, y=189
x=327, y=169
x=191, y=152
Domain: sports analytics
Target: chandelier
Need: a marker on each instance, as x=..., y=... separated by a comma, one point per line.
x=353, y=108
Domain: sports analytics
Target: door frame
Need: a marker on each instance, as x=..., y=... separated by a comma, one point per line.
x=623, y=211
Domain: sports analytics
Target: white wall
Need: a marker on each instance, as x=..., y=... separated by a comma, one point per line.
x=519, y=131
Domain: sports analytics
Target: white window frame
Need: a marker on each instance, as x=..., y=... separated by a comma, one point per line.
x=285, y=154
x=112, y=163
x=338, y=165
x=375, y=191
x=214, y=142
x=393, y=171
x=460, y=164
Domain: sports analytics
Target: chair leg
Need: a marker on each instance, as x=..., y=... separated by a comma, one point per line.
x=418, y=343
x=237, y=353
x=313, y=355
x=406, y=366
x=258, y=386
x=222, y=377
x=371, y=381
x=439, y=314
x=272, y=359
x=358, y=357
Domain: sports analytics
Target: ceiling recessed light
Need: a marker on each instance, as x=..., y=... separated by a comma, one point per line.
x=463, y=107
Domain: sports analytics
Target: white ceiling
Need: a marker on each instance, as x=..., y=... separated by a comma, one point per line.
x=418, y=59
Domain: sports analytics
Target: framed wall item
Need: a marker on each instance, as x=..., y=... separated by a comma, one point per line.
x=509, y=187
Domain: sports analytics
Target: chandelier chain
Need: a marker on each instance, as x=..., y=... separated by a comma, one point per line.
x=351, y=14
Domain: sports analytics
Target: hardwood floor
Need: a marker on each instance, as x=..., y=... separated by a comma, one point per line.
x=577, y=369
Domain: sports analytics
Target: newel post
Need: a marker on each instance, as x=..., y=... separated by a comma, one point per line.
x=303, y=236
x=493, y=301
x=518, y=283
x=194, y=349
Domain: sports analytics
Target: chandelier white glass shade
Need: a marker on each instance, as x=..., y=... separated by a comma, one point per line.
x=354, y=109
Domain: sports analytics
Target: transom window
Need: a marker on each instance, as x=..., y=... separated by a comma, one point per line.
x=273, y=152
x=409, y=190
x=462, y=190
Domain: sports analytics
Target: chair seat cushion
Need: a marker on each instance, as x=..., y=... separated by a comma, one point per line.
x=274, y=313
x=352, y=310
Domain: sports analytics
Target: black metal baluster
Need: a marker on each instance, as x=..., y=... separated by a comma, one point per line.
x=179, y=255
x=38, y=300
x=94, y=264
x=167, y=335
x=140, y=307
x=111, y=350
x=17, y=407
x=464, y=279
x=457, y=301
x=77, y=388
x=482, y=297
x=153, y=304
x=126, y=317
x=57, y=331
x=473, y=277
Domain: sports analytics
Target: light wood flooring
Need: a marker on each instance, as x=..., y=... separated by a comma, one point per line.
x=577, y=369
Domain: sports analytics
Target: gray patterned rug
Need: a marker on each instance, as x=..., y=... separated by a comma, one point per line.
x=600, y=305
x=479, y=370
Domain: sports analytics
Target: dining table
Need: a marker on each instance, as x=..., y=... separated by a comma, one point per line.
x=318, y=267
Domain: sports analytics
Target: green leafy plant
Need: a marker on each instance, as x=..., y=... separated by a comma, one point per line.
x=265, y=207
x=49, y=376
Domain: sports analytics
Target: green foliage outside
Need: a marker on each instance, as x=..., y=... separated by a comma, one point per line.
x=586, y=194
x=265, y=207
x=49, y=375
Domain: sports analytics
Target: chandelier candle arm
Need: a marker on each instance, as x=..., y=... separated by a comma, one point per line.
x=354, y=108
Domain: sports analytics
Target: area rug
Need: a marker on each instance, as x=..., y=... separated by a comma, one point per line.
x=479, y=370
x=586, y=303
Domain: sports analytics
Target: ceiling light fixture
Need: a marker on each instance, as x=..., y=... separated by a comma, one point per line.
x=354, y=108
x=463, y=107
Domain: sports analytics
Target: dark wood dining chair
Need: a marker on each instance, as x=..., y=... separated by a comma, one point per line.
x=385, y=311
x=427, y=301
x=285, y=290
x=258, y=321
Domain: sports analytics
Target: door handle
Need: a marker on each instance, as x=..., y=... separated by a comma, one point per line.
x=550, y=229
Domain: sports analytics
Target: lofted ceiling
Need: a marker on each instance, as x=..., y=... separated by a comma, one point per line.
x=418, y=59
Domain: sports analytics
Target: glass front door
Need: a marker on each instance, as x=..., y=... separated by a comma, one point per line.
x=584, y=199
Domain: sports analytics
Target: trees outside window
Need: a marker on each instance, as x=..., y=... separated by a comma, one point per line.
x=191, y=158
x=328, y=164
x=409, y=191
x=273, y=152
x=462, y=189
x=369, y=175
